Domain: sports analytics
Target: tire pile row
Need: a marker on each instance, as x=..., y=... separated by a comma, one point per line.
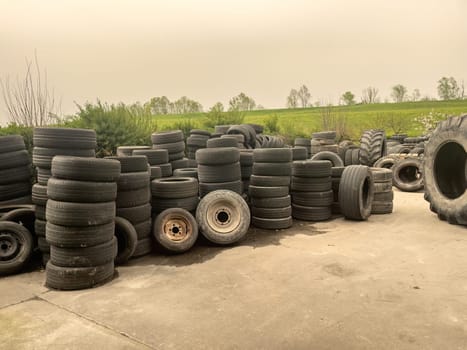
x=173, y=142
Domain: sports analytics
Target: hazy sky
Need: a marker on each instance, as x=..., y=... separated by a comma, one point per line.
x=211, y=50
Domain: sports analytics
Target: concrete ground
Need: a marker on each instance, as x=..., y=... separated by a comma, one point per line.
x=394, y=282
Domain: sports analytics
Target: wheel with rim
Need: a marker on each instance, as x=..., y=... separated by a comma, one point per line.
x=223, y=217
x=16, y=244
x=176, y=230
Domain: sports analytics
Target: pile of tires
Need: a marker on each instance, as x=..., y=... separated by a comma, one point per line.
x=311, y=190
x=356, y=192
x=267, y=141
x=126, y=151
x=386, y=162
x=174, y=192
x=50, y=142
x=230, y=141
x=323, y=141
x=383, y=194
x=15, y=171
x=305, y=143
x=247, y=131
x=220, y=130
x=269, y=188
x=408, y=174
x=158, y=160
x=219, y=168
x=445, y=170
x=198, y=139
x=134, y=205
x=246, y=168
x=372, y=147
x=173, y=142
x=336, y=174
x=299, y=153
x=334, y=158
x=81, y=221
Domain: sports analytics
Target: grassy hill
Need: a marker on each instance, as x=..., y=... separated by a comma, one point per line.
x=350, y=120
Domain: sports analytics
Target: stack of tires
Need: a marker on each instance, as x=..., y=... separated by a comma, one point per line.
x=383, y=193
x=372, y=147
x=323, y=141
x=158, y=160
x=15, y=171
x=336, y=173
x=219, y=168
x=80, y=222
x=248, y=132
x=299, y=153
x=126, y=151
x=174, y=192
x=246, y=168
x=269, y=188
x=311, y=190
x=198, y=139
x=50, y=142
x=173, y=142
x=303, y=142
x=134, y=205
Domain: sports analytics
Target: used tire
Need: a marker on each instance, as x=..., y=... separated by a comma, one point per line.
x=16, y=244
x=330, y=156
x=84, y=257
x=127, y=239
x=407, y=175
x=372, y=147
x=81, y=191
x=76, y=237
x=79, y=214
x=86, y=169
x=356, y=192
x=272, y=224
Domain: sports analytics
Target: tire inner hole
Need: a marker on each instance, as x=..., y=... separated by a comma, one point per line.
x=409, y=174
x=175, y=229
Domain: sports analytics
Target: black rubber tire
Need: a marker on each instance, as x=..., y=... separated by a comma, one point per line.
x=269, y=181
x=385, y=162
x=381, y=187
x=187, y=203
x=268, y=192
x=299, y=153
x=42, y=157
x=134, y=180
x=272, y=224
x=166, y=169
x=86, y=169
x=274, y=202
x=316, y=184
x=14, y=190
x=74, y=278
x=127, y=238
x=348, y=156
x=272, y=155
x=311, y=168
x=355, y=156
x=135, y=214
x=133, y=198
x=127, y=151
x=79, y=214
x=382, y=208
x=372, y=147
x=313, y=199
x=217, y=156
x=179, y=164
x=246, y=172
x=79, y=237
x=23, y=216
x=172, y=148
x=223, y=217
x=14, y=159
x=167, y=136
x=39, y=227
x=356, y=192
x=200, y=132
x=154, y=156
x=16, y=245
x=246, y=158
x=143, y=229
x=143, y=247
x=445, y=170
x=155, y=172
x=64, y=138
x=39, y=194
x=174, y=187
x=331, y=135
x=186, y=172
x=20, y=174
x=132, y=164
x=336, y=172
x=81, y=191
x=381, y=174
x=222, y=142
x=308, y=213
x=271, y=213
x=40, y=212
x=221, y=129
x=175, y=230
x=235, y=186
x=383, y=196
x=84, y=257
x=407, y=175
x=330, y=156
x=43, y=176
x=11, y=143
x=219, y=173
x=272, y=169
x=43, y=245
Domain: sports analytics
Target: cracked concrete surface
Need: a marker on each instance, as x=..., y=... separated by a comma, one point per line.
x=396, y=281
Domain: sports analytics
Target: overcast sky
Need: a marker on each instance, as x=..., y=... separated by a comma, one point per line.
x=210, y=50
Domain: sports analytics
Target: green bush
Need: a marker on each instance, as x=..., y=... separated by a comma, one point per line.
x=272, y=124
x=215, y=117
x=185, y=125
x=115, y=125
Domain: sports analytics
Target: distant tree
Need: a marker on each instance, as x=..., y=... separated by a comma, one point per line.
x=185, y=105
x=448, y=89
x=399, y=93
x=292, y=99
x=348, y=98
x=370, y=95
x=159, y=105
x=259, y=107
x=218, y=107
x=304, y=96
x=242, y=102
x=416, y=95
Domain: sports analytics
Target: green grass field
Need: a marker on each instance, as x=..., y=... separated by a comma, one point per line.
x=393, y=117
